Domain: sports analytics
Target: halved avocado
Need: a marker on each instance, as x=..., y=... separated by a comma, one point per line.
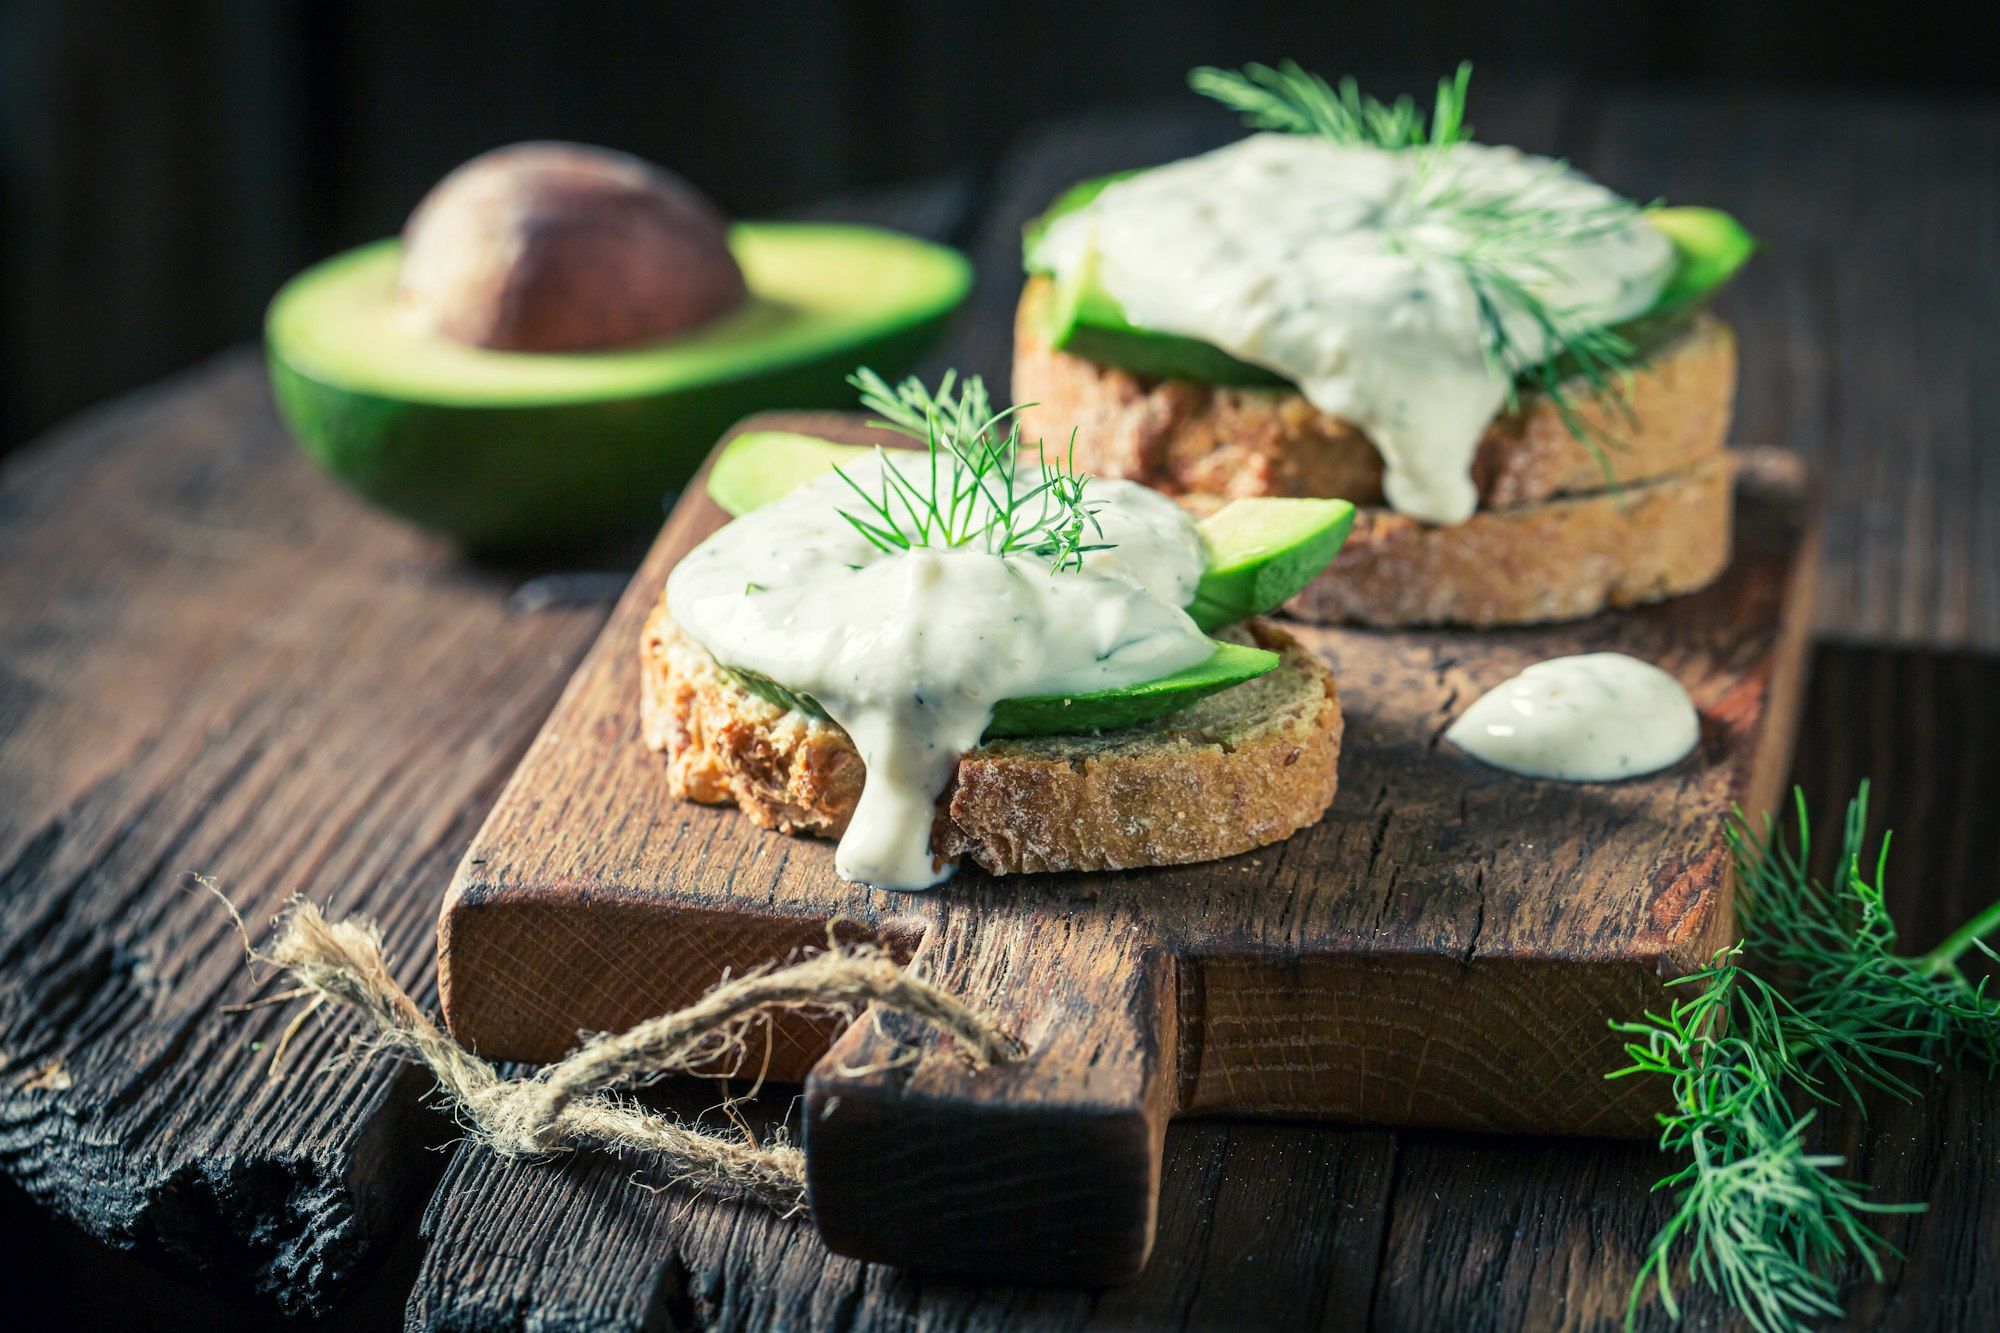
x=1072, y=714
x=1087, y=321
x=521, y=451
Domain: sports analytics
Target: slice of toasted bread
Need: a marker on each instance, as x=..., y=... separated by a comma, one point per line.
x=1238, y=770
x=1567, y=558
x=1187, y=438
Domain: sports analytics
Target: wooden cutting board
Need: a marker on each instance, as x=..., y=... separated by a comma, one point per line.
x=1444, y=948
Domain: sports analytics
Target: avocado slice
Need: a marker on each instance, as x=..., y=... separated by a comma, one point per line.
x=1711, y=246
x=1075, y=197
x=1087, y=321
x=508, y=451
x=1261, y=551
x=762, y=466
x=1072, y=714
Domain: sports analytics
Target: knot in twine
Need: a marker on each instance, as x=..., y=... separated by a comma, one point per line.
x=575, y=1101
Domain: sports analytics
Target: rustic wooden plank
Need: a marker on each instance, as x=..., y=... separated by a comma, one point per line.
x=1045, y=1170
x=1260, y=1226
x=1430, y=994
x=1487, y=1233
x=1869, y=328
x=213, y=661
x=1453, y=934
x=1549, y=1235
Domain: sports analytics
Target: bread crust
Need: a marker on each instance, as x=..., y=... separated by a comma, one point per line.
x=1239, y=770
x=1185, y=438
x=1568, y=558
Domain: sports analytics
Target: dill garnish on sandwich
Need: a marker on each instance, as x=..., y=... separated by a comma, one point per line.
x=1508, y=365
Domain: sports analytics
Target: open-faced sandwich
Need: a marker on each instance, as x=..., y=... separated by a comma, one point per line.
x=966, y=651
x=1509, y=367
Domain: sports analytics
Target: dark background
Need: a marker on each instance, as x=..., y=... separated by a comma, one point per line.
x=166, y=165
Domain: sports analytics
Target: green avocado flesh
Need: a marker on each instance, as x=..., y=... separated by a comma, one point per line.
x=1261, y=552
x=1072, y=714
x=1087, y=321
x=510, y=451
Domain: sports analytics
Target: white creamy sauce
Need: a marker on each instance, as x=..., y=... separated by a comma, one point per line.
x=1325, y=263
x=1593, y=718
x=909, y=651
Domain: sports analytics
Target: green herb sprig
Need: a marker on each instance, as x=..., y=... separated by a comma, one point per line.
x=1289, y=99
x=1813, y=1006
x=1499, y=241
x=972, y=493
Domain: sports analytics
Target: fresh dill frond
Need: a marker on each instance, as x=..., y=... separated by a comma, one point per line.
x=1836, y=945
x=1502, y=239
x=1289, y=99
x=1499, y=241
x=1815, y=1001
x=973, y=492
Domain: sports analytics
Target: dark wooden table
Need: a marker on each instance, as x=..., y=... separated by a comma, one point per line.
x=213, y=660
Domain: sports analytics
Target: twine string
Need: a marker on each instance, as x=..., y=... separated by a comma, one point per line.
x=576, y=1100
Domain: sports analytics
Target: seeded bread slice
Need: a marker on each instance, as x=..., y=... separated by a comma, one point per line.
x=1562, y=560
x=1240, y=769
x=1186, y=438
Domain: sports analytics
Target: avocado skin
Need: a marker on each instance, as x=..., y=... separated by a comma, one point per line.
x=558, y=478
x=1070, y=715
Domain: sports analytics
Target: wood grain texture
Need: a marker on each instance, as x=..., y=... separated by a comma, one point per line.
x=1443, y=949
x=1043, y=1170
x=1869, y=326
x=212, y=662
x=1296, y=1226
x=1261, y=1224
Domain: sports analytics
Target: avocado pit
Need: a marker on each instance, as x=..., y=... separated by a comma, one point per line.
x=559, y=247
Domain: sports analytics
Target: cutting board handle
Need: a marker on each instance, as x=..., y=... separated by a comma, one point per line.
x=1046, y=1169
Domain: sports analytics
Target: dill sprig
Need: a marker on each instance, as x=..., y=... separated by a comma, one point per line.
x=1814, y=1004
x=972, y=492
x=1501, y=242
x=1290, y=100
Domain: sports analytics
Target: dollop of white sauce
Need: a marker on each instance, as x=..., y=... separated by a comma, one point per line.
x=1596, y=717
x=909, y=651
x=1326, y=264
